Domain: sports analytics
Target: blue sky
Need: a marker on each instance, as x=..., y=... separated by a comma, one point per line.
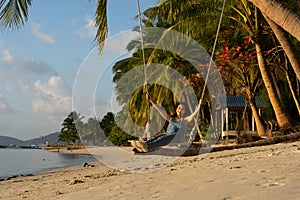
x=39, y=62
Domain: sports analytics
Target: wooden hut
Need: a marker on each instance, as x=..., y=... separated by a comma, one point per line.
x=236, y=115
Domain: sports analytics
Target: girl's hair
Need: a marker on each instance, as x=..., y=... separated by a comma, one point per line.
x=174, y=115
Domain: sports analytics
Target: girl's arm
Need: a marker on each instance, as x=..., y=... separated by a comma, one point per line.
x=159, y=108
x=193, y=115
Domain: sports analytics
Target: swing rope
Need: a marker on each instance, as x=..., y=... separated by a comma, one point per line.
x=207, y=75
x=210, y=61
x=143, y=55
x=142, y=44
x=212, y=54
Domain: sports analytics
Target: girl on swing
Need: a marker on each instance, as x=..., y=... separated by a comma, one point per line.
x=177, y=126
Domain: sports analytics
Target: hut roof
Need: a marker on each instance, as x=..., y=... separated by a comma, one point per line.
x=233, y=101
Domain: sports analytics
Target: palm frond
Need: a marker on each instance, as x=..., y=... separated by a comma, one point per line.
x=13, y=13
x=101, y=24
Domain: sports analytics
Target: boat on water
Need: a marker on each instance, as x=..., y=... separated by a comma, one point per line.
x=30, y=147
x=20, y=146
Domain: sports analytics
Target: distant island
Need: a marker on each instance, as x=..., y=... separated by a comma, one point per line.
x=6, y=141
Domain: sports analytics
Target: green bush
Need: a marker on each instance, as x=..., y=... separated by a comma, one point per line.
x=204, y=126
x=119, y=137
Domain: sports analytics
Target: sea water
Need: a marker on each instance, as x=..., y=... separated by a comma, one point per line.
x=29, y=161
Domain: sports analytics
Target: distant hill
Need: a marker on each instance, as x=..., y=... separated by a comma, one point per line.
x=50, y=138
x=10, y=140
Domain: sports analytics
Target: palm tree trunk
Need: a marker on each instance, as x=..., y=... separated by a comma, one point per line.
x=283, y=118
x=287, y=46
x=291, y=88
x=281, y=15
x=259, y=124
x=278, y=92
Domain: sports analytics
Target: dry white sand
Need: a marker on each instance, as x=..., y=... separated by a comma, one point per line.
x=266, y=172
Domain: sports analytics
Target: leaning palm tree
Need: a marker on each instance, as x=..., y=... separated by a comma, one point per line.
x=292, y=53
x=287, y=46
x=281, y=15
x=286, y=42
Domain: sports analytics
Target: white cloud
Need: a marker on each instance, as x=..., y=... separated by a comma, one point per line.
x=8, y=86
x=24, y=69
x=13, y=67
x=36, y=31
x=32, y=66
x=4, y=106
x=89, y=30
x=6, y=56
x=24, y=87
x=52, y=98
x=119, y=42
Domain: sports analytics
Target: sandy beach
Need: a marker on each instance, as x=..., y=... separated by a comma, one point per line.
x=265, y=172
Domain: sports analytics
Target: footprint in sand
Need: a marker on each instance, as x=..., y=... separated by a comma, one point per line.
x=276, y=181
x=275, y=184
x=227, y=198
x=261, y=171
x=157, y=195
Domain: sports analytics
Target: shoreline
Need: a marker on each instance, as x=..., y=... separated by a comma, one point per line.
x=81, y=151
x=33, y=171
x=263, y=172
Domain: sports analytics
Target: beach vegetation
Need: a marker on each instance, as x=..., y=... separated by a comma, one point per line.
x=119, y=137
x=114, y=134
x=107, y=123
x=69, y=132
x=90, y=132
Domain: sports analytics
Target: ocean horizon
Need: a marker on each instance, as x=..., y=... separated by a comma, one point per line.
x=16, y=162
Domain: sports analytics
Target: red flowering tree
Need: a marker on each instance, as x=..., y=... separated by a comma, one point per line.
x=238, y=65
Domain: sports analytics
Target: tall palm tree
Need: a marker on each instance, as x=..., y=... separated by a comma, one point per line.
x=251, y=20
